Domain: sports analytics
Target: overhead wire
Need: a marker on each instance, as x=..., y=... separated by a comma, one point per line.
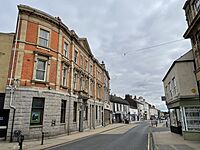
x=153, y=46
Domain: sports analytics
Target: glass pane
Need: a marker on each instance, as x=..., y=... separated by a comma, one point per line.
x=41, y=65
x=44, y=34
x=43, y=42
x=40, y=75
x=36, y=116
x=38, y=103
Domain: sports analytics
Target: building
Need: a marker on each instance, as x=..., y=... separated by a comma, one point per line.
x=106, y=98
x=60, y=85
x=182, y=97
x=6, y=42
x=133, y=108
x=120, y=109
x=192, y=12
x=153, y=112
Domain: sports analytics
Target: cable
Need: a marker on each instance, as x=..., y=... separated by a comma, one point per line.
x=158, y=45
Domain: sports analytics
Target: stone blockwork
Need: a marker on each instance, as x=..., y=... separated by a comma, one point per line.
x=52, y=112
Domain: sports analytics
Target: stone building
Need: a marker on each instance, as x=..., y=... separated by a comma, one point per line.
x=192, y=12
x=60, y=85
x=182, y=97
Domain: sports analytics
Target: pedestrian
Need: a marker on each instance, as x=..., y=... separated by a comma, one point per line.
x=156, y=123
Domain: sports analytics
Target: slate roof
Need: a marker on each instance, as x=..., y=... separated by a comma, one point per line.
x=119, y=100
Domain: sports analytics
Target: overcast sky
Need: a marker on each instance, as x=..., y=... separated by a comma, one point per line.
x=116, y=29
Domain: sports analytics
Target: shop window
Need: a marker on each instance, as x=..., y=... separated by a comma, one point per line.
x=37, y=111
x=192, y=115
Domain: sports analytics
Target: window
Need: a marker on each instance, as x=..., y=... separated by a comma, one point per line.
x=197, y=5
x=41, y=70
x=86, y=65
x=75, y=112
x=86, y=113
x=81, y=61
x=96, y=112
x=91, y=87
x=75, y=80
x=75, y=56
x=174, y=86
x=37, y=111
x=63, y=111
x=81, y=83
x=65, y=49
x=44, y=38
x=64, y=76
x=91, y=70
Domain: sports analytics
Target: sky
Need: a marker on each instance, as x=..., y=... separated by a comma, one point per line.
x=118, y=31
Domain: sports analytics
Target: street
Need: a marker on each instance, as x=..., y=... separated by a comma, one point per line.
x=124, y=138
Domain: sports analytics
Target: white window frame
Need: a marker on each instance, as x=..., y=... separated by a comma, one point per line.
x=65, y=68
x=45, y=71
x=65, y=49
x=47, y=39
x=75, y=77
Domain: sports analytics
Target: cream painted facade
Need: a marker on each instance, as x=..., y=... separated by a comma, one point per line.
x=6, y=40
x=182, y=97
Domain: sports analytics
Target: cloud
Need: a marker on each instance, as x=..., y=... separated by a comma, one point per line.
x=116, y=30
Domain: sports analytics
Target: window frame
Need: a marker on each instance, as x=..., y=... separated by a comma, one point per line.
x=39, y=36
x=63, y=111
x=65, y=49
x=76, y=56
x=45, y=71
x=64, y=76
x=75, y=112
x=36, y=109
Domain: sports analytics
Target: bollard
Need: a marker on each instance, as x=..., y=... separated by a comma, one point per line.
x=21, y=139
x=42, y=138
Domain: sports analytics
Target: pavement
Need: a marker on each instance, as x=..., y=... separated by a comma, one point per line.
x=58, y=140
x=166, y=140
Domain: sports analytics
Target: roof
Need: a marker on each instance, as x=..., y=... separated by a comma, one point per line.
x=187, y=57
x=116, y=99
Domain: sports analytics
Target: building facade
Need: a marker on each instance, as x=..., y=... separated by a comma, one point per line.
x=121, y=109
x=182, y=97
x=60, y=85
x=192, y=12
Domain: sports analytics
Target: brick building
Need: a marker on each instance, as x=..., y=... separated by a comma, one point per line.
x=60, y=85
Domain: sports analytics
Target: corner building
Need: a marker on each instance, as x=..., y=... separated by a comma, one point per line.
x=60, y=84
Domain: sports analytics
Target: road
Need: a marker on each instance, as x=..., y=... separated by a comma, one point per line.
x=127, y=137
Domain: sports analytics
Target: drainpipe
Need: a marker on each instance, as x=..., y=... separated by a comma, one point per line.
x=11, y=78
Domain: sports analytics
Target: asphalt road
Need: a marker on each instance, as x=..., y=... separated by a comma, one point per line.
x=123, y=138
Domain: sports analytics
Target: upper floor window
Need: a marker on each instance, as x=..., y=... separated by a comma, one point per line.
x=75, y=80
x=174, y=86
x=81, y=61
x=44, y=38
x=75, y=56
x=197, y=5
x=41, y=69
x=86, y=65
x=91, y=69
x=65, y=49
x=64, y=76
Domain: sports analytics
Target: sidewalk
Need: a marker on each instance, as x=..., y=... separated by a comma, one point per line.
x=57, y=140
x=171, y=141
